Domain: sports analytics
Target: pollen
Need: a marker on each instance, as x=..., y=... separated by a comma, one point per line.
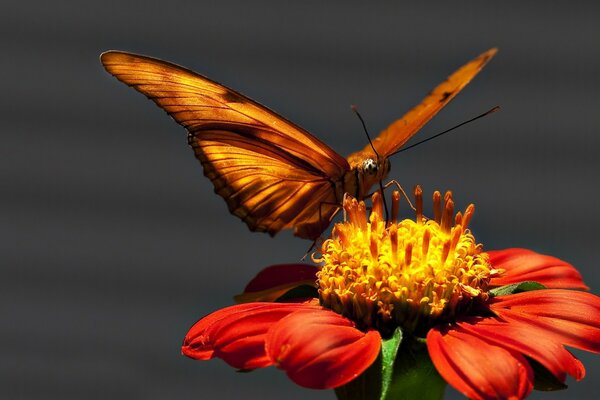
x=412, y=273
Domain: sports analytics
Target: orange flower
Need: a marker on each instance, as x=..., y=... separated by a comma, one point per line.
x=486, y=331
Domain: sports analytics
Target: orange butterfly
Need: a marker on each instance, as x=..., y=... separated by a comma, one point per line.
x=273, y=174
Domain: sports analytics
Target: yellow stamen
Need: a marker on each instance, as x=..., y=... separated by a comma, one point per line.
x=385, y=274
x=437, y=206
x=418, y=204
x=468, y=215
x=395, y=204
x=377, y=201
x=458, y=219
x=447, y=214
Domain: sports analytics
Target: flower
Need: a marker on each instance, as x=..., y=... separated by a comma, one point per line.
x=489, y=329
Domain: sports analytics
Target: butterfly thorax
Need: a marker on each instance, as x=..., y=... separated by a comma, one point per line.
x=366, y=169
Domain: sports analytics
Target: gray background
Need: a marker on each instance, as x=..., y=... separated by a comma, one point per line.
x=111, y=241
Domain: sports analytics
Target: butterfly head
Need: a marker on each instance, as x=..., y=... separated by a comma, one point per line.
x=370, y=171
x=370, y=167
x=375, y=168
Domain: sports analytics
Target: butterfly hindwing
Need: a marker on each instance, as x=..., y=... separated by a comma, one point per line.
x=263, y=188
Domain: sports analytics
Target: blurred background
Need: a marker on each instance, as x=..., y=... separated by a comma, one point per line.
x=112, y=242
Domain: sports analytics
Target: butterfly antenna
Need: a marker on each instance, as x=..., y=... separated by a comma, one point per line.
x=488, y=112
x=362, y=121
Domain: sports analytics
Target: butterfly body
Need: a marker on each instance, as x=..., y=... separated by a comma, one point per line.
x=273, y=174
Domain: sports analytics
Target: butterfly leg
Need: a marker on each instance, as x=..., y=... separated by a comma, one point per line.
x=312, y=246
x=385, y=207
x=322, y=226
x=395, y=183
x=337, y=209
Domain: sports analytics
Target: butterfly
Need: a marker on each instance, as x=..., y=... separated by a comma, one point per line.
x=273, y=174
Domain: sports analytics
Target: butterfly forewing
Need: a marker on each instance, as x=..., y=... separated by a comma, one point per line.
x=272, y=174
x=392, y=138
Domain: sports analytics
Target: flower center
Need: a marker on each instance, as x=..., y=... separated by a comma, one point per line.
x=409, y=273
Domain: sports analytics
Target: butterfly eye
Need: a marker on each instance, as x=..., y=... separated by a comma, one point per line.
x=370, y=166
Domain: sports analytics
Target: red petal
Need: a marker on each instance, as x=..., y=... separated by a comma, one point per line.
x=274, y=281
x=237, y=333
x=320, y=349
x=281, y=274
x=567, y=316
x=526, y=265
x=478, y=368
x=519, y=337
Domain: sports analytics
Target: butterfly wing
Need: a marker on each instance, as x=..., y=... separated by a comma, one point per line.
x=400, y=131
x=272, y=174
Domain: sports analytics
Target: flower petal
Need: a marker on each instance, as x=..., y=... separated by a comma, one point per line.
x=274, y=281
x=320, y=349
x=520, y=337
x=525, y=265
x=569, y=317
x=477, y=368
x=237, y=333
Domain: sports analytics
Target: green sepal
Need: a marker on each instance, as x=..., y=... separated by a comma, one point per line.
x=299, y=292
x=415, y=376
x=403, y=370
x=375, y=381
x=517, y=288
x=389, y=352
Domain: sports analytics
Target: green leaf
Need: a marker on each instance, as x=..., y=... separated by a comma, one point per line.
x=517, y=288
x=403, y=370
